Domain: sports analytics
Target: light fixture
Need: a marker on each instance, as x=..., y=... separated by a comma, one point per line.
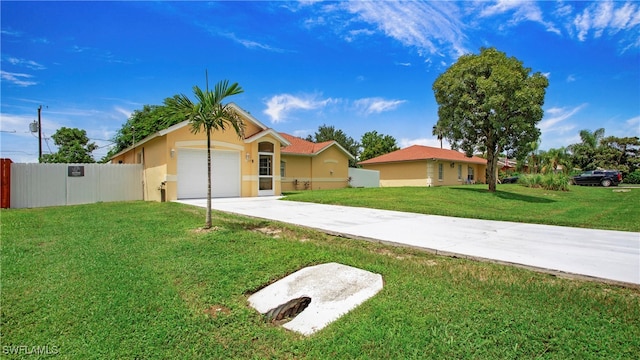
x=172, y=153
x=247, y=156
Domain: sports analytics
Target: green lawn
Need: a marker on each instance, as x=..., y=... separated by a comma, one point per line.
x=586, y=207
x=136, y=280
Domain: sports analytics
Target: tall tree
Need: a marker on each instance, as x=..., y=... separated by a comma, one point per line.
x=142, y=123
x=374, y=144
x=328, y=133
x=208, y=114
x=584, y=154
x=490, y=102
x=73, y=147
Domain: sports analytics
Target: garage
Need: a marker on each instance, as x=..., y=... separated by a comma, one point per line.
x=192, y=173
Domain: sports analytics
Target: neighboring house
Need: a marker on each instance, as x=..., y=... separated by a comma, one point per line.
x=175, y=161
x=311, y=166
x=427, y=166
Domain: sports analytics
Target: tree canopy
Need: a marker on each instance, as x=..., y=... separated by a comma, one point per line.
x=374, y=144
x=142, y=123
x=73, y=147
x=328, y=133
x=490, y=103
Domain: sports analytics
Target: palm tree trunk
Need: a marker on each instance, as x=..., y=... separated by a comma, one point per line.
x=208, y=219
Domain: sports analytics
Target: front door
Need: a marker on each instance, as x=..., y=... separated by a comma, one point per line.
x=265, y=179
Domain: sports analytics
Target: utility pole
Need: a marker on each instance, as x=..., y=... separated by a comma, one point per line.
x=39, y=134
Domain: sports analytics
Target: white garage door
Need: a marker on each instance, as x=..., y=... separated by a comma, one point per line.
x=192, y=173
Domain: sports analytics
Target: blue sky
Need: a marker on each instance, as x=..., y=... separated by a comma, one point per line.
x=356, y=65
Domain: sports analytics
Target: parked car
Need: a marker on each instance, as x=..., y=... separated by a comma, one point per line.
x=510, y=180
x=598, y=177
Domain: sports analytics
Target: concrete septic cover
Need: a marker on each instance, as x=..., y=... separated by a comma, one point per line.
x=334, y=289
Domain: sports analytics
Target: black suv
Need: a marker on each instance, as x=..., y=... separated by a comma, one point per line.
x=598, y=177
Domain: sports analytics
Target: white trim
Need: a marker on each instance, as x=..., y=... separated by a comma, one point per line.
x=266, y=132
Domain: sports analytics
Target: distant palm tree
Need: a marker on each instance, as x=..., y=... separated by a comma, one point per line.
x=209, y=114
x=438, y=131
x=592, y=139
x=554, y=159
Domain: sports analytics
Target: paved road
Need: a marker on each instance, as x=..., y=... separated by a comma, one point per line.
x=609, y=255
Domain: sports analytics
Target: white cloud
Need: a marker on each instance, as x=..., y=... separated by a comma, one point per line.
x=250, y=44
x=376, y=105
x=426, y=26
x=17, y=78
x=126, y=113
x=608, y=17
x=280, y=106
x=25, y=63
x=634, y=122
x=522, y=10
x=557, y=116
x=571, y=78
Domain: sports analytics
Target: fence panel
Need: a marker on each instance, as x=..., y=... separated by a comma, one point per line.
x=364, y=177
x=40, y=185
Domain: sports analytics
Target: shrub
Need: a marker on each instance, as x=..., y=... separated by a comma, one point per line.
x=557, y=182
x=632, y=178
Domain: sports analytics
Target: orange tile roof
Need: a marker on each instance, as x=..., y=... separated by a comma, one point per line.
x=303, y=147
x=419, y=152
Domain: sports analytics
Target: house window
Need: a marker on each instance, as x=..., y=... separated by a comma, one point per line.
x=265, y=165
x=283, y=166
x=266, y=147
x=470, y=172
x=459, y=172
x=440, y=172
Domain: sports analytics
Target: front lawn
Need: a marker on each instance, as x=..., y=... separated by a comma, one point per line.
x=586, y=207
x=138, y=280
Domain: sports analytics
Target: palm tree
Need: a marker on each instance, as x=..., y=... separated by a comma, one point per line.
x=555, y=158
x=209, y=114
x=438, y=131
x=592, y=139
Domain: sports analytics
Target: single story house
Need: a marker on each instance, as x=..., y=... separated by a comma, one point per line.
x=312, y=166
x=175, y=162
x=419, y=165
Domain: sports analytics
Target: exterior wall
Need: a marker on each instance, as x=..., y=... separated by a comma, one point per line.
x=330, y=170
x=410, y=173
x=426, y=173
x=297, y=174
x=154, y=159
x=327, y=170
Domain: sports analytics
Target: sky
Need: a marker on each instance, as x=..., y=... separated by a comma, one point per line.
x=356, y=65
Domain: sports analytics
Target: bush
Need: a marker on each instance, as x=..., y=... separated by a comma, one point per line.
x=632, y=178
x=556, y=182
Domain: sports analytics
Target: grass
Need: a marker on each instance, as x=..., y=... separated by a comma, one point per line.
x=136, y=280
x=585, y=207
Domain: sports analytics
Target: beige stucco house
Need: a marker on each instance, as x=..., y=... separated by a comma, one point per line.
x=427, y=166
x=175, y=161
x=312, y=166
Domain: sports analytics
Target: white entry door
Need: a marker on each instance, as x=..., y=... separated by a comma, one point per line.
x=265, y=178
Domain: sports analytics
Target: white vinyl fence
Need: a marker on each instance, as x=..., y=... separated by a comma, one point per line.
x=364, y=178
x=40, y=185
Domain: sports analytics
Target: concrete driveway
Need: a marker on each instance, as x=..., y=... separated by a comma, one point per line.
x=609, y=255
